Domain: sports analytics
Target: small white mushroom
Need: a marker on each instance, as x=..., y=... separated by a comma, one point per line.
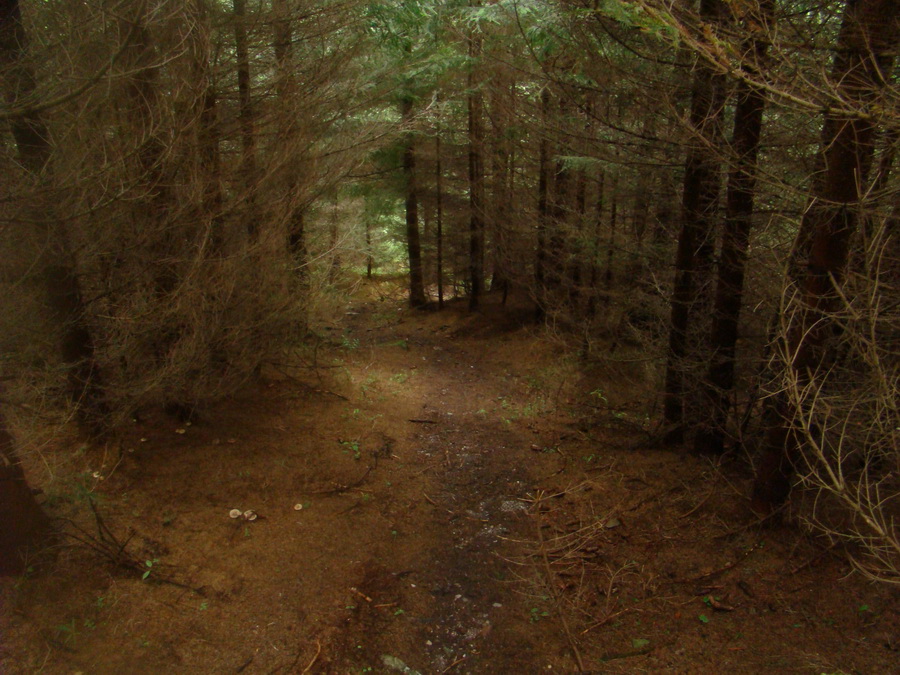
x=249, y=514
x=235, y=513
x=298, y=507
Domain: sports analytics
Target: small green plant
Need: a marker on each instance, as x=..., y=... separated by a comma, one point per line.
x=598, y=394
x=536, y=614
x=348, y=342
x=149, y=565
x=398, y=612
x=67, y=631
x=703, y=618
x=204, y=606
x=352, y=447
x=143, y=642
x=400, y=378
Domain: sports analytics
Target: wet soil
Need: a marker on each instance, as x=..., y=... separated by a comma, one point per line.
x=436, y=492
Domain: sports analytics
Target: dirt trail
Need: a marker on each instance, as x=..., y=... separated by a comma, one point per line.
x=394, y=468
x=470, y=614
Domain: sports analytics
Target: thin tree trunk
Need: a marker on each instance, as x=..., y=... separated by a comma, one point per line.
x=863, y=56
x=209, y=164
x=282, y=43
x=414, y=247
x=748, y=117
x=576, y=246
x=439, y=208
x=476, y=178
x=543, y=211
x=611, y=243
x=700, y=201
x=245, y=116
x=595, y=248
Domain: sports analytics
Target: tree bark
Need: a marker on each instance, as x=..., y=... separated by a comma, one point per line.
x=24, y=524
x=543, y=211
x=414, y=247
x=475, y=100
x=282, y=45
x=863, y=56
x=245, y=117
x=439, y=217
x=60, y=279
x=740, y=194
x=700, y=199
x=595, y=248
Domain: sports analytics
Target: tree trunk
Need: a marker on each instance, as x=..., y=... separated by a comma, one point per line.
x=576, y=247
x=439, y=217
x=595, y=248
x=700, y=201
x=475, y=101
x=414, y=247
x=24, y=523
x=206, y=123
x=245, y=117
x=740, y=195
x=282, y=42
x=611, y=242
x=543, y=211
x=61, y=282
x=869, y=33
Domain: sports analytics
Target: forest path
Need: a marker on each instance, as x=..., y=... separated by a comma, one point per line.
x=394, y=468
x=461, y=413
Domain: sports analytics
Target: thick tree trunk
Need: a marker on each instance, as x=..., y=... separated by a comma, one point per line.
x=693, y=260
x=475, y=100
x=22, y=523
x=62, y=285
x=414, y=247
x=748, y=117
x=869, y=34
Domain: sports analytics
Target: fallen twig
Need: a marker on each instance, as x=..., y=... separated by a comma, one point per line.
x=454, y=664
x=552, y=587
x=315, y=656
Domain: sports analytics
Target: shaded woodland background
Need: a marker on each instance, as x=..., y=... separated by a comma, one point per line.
x=709, y=187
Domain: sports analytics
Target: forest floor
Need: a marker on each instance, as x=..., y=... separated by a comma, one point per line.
x=437, y=492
